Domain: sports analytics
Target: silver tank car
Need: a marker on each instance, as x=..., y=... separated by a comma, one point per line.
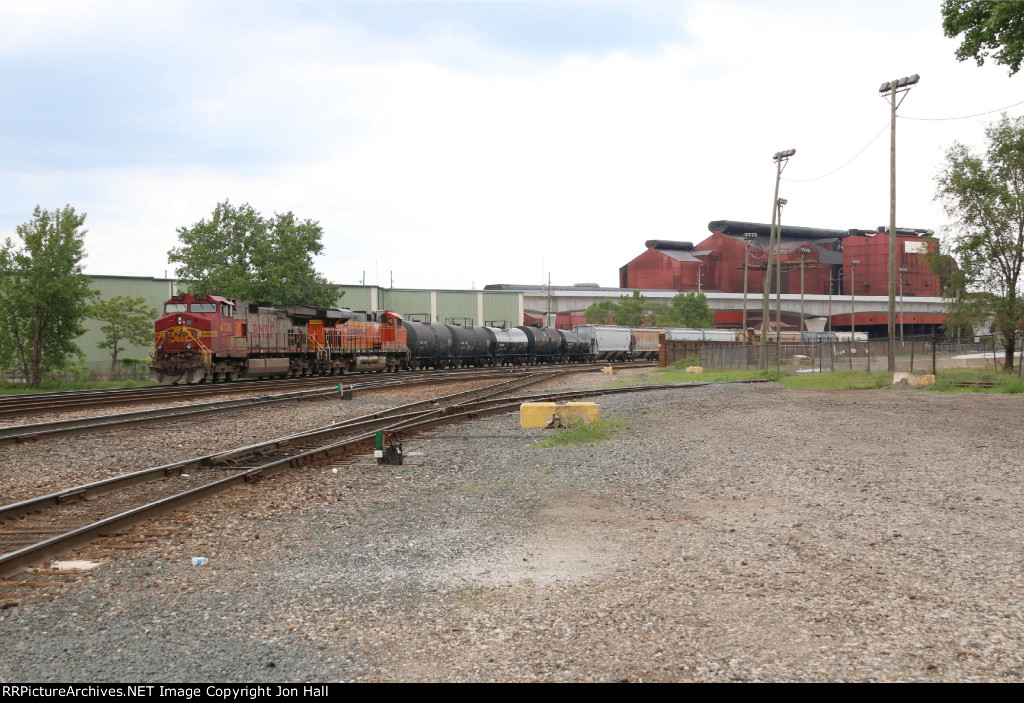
x=507, y=346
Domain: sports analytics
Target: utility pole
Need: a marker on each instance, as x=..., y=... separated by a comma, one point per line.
x=803, y=250
x=747, y=237
x=900, y=86
x=853, y=299
x=781, y=158
x=778, y=287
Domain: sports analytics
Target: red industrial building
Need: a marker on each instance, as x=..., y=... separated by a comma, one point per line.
x=836, y=262
x=826, y=255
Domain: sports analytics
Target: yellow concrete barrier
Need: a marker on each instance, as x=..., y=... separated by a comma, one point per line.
x=694, y=369
x=539, y=414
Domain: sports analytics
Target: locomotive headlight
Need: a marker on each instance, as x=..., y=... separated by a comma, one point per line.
x=188, y=346
x=179, y=319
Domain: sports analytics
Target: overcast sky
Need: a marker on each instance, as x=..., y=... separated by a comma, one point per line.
x=456, y=144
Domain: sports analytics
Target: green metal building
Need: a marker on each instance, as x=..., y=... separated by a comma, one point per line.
x=473, y=307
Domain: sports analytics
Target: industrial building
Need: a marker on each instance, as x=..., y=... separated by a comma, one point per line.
x=840, y=262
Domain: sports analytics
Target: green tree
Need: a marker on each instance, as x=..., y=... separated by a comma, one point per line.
x=602, y=313
x=241, y=254
x=126, y=320
x=989, y=27
x=983, y=195
x=964, y=310
x=44, y=296
x=632, y=310
x=686, y=310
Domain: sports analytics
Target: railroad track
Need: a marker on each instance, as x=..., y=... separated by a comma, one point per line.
x=83, y=425
x=36, y=403
x=34, y=530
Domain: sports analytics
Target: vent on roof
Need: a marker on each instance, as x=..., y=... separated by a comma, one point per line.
x=665, y=244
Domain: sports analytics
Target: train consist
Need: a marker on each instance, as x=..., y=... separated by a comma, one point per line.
x=209, y=338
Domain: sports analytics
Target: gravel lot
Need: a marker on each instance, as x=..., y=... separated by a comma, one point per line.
x=742, y=532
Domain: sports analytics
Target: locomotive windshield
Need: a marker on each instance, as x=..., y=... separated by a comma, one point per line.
x=175, y=307
x=202, y=307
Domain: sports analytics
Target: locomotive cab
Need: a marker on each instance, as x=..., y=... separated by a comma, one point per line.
x=190, y=333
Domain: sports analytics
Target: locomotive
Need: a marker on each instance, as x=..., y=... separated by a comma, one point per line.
x=209, y=338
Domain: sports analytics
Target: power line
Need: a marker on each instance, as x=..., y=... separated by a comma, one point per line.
x=964, y=117
x=840, y=168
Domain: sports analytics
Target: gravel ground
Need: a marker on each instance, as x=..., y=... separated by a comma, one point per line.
x=742, y=532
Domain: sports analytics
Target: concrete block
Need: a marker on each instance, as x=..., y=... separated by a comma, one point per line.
x=694, y=369
x=580, y=412
x=536, y=414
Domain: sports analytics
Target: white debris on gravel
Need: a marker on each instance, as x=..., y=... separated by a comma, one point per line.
x=728, y=533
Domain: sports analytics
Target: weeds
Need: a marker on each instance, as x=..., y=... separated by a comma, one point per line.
x=580, y=433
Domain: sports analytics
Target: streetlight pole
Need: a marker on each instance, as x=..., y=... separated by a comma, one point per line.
x=747, y=236
x=781, y=158
x=778, y=288
x=902, y=271
x=900, y=86
x=803, y=250
x=853, y=299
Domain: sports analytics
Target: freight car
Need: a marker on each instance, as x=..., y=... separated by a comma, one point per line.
x=209, y=338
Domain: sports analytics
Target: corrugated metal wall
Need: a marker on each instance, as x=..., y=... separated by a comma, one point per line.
x=155, y=291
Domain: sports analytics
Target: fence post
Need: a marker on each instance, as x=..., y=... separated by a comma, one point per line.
x=933, y=352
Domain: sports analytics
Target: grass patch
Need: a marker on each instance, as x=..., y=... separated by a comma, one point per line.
x=1002, y=381
x=7, y=388
x=581, y=433
x=834, y=380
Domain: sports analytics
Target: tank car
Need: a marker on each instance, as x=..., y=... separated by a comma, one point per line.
x=544, y=345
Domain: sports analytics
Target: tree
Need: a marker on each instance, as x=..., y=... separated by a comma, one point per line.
x=128, y=320
x=686, y=310
x=984, y=198
x=602, y=313
x=993, y=27
x=240, y=254
x=44, y=296
x=632, y=310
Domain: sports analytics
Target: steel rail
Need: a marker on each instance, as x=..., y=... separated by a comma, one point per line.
x=83, y=425
x=408, y=422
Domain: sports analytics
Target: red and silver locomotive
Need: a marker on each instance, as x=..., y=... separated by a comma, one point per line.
x=208, y=338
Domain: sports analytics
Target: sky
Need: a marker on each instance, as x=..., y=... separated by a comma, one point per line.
x=458, y=144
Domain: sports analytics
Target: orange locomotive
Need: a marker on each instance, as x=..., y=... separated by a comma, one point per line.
x=209, y=338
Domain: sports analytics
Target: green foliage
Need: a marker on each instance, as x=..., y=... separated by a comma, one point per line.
x=581, y=432
x=602, y=313
x=989, y=27
x=632, y=310
x=685, y=310
x=984, y=199
x=241, y=254
x=44, y=296
x=126, y=320
x=964, y=310
x=688, y=310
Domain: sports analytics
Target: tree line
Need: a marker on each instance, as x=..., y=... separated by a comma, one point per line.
x=45, y=297
x=689, y=310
